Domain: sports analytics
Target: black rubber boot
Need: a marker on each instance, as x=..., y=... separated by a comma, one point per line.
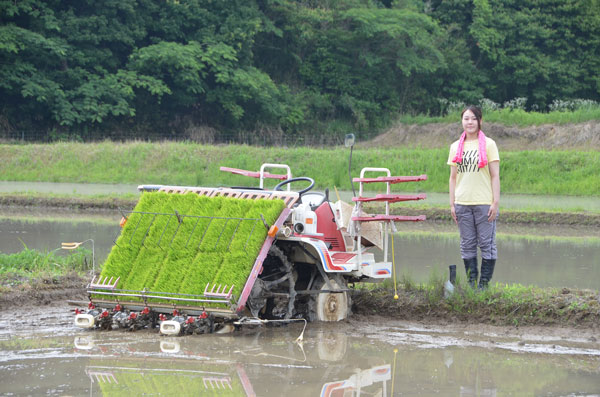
x=487, y=270
x=471, y=270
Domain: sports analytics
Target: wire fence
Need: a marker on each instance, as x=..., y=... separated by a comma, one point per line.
x=207, y=138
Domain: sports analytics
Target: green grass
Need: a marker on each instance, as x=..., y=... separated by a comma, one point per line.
x=537, y=172
x=31, y=264
x=162, y=254
x=504, y=304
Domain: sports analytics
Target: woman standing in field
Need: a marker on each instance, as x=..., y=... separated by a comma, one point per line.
x=475, y=195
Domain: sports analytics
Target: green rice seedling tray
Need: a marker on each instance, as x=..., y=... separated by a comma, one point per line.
x=174, y=248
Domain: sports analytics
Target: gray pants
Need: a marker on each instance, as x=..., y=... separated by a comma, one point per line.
x=476, y=231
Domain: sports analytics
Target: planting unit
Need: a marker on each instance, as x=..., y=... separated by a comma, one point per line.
x=201, y=259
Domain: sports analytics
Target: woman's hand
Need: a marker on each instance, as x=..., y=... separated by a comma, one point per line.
x=452, y=187
x=494, y=168
x=493, y=212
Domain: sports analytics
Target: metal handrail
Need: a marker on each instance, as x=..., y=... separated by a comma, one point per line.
x=145, y=295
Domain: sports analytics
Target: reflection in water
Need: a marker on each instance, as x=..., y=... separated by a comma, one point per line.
x=47, y=235
x=251, y=368
x=270, y=363
x=116, y=380
x=345, y=359
x=527, y=260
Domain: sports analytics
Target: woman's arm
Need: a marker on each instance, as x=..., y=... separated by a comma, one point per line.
x=452, y=189
x=494, y=168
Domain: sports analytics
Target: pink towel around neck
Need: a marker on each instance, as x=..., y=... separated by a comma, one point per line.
x=482, y=149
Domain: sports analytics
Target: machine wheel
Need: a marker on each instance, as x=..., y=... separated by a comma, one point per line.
x=332, y=346
x=277, y=277
x=330, y=306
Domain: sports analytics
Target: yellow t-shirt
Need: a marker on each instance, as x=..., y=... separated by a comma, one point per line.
x=473, y=184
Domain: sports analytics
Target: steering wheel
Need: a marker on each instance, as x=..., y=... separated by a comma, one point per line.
x=300, y=178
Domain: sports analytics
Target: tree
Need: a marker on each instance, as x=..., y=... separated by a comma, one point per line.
x=537, y=49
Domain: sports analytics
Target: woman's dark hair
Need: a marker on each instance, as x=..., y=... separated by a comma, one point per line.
x=476, y=111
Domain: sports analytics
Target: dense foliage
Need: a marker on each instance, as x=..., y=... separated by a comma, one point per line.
x=192, y=67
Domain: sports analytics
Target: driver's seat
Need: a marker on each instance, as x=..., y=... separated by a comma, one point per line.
x=314, y=199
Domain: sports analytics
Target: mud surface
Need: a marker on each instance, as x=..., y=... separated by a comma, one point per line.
x=556, y=316
x=515, y=217
x=433, y=214
x=43, y=353
x=49, y=291
x=74, y=203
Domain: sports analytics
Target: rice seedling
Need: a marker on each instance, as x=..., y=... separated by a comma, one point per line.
x=184, y=242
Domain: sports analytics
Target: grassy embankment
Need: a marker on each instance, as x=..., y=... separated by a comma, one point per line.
x=537, y=172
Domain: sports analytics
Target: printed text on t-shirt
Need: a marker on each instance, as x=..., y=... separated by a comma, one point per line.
x=469, y=162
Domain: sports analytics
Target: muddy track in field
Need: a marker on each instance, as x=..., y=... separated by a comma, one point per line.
x=376, y=308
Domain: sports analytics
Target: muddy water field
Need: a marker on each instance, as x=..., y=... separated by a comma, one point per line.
x=43, y=353
x=407, y=348
x=386, y=348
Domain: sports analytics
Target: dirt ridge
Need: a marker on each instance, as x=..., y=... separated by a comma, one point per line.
x=568, y=308
x=433, y=214
x=580, y=136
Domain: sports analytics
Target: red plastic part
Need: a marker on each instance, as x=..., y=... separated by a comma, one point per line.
x=395, y=218
x=254, y=174
x=132, y=316
x=91, y=306
x=203, y=315
x=145, y=311
x=327, y=226
x=341, y=257
x=392, y=198
x=118, y=308
x=392, y=179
